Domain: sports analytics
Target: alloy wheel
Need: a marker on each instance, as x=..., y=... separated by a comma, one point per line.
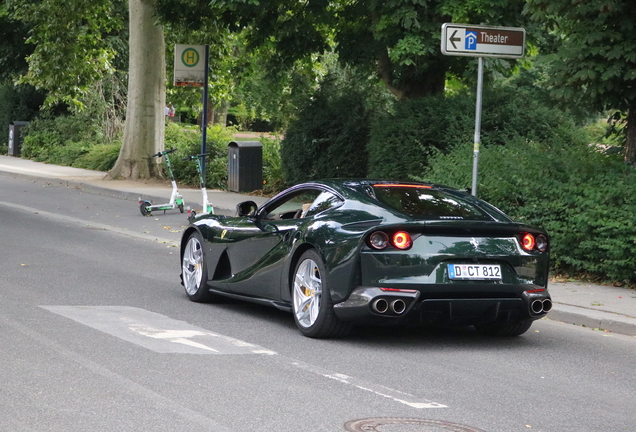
x=192, y=266
x=307, y=293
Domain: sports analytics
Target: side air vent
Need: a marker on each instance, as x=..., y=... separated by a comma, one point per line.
x=223, y=270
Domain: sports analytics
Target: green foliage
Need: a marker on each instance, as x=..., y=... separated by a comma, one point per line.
x=21, y=103
x=595, y=50
x=101, y=157
x=403, y=141
x=582, y=197
x=399, y=39
x=330, y=135
x=187, y=140
x=46, y=139
x=73, y=46
x=68, y=141
x=593, y=53
x=273, y=177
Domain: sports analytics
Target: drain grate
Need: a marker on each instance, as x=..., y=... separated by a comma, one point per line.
x=399, y=424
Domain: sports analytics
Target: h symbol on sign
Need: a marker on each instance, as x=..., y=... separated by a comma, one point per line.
x=190, y=57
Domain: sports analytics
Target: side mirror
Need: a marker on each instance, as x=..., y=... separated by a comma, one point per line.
x=246, y=209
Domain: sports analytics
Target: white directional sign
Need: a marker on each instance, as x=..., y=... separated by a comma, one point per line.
x=189, y=65
x=481, y=41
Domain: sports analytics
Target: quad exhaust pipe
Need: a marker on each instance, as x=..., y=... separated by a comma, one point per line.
x=398, y=306
x=539, y=306
x=382, y=306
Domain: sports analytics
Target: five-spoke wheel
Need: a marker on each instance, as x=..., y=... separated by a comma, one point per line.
x=194, y=276
x=311, y=302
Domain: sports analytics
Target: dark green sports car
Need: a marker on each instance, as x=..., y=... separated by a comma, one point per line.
x=341, y=252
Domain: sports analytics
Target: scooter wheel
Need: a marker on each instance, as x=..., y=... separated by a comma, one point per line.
x=181, y=208
x=144, y=208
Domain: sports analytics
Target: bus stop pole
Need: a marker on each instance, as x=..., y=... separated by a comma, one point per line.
x=480, y=84
x=204, y=121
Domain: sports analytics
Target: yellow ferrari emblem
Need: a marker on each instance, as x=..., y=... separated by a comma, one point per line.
x=223, y=234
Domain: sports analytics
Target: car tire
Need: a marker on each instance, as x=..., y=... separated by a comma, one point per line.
x=194, y=272
x=311, y=302
x=504, y=329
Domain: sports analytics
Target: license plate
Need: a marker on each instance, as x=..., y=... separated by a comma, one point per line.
x=474, y=271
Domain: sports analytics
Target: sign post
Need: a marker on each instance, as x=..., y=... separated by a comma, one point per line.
x=191, y=66
x=481, y=41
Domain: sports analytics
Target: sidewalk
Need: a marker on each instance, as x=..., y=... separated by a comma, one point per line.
x=594, y=306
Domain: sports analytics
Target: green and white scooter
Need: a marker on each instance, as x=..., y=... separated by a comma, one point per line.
x=176, y=200
x=207, y=207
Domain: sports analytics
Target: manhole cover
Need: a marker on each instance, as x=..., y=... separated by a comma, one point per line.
x=397, y=424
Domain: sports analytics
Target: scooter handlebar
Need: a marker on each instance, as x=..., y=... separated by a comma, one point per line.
x=199, y=156
x=165, y=152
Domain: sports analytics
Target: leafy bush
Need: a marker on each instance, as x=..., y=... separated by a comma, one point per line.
x=330, y=135
x=187, y=140
x=45, y=139
x=17, y=102
x=403, y=141
x=100, y=157
x=273, y=178
x=584, y=198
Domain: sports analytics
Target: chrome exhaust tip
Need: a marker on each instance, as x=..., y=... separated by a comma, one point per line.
x=380, y=306
x=537, y=306
x=398, y=306
x=547, y=305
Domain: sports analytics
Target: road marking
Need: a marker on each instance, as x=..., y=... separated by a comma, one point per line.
x=377, y=389
x=165, y=335
x=154, y=331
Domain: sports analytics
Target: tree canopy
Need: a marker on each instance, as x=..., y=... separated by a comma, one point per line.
x=593, y=50
x=73, y=44
x=397, y=39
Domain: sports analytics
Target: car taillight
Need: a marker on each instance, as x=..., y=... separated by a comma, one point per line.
x=378, y=240
x=541, y=243
x=529, y=242
x=402, y=240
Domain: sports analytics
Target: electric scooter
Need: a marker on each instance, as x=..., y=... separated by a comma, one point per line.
x=176, y=200
x=207, y=207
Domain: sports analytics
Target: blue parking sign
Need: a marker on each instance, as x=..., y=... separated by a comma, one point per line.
x=470, y=40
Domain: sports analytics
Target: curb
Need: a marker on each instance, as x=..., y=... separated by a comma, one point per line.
x=594, y=319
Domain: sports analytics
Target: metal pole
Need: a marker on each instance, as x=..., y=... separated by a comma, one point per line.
x=480, y=84
x=204, y=121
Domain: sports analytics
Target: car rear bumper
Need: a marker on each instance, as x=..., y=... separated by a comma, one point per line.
x=370, y=305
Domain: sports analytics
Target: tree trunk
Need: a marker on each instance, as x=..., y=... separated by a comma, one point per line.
x=144, y=130
x=630, y=144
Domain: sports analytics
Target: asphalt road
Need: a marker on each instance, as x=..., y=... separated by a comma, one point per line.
x=98, y=335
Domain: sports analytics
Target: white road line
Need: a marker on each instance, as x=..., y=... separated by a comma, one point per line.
x=166, y=335
x=377, y=389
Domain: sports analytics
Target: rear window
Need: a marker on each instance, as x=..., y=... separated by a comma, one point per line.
x=423, y=202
